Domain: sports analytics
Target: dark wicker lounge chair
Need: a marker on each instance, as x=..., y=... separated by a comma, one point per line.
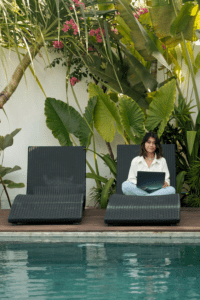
x=56, y=187
x=142, y=210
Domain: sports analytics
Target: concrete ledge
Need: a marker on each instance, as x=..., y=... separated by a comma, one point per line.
x=103, y=237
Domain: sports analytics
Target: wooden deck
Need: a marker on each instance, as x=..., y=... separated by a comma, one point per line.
x=93, y=221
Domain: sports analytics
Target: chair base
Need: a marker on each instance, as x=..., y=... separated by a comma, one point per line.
x=143, y=210
x=48, y=209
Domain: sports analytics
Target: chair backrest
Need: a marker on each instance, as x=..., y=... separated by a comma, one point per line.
x=56, y=169
x=125, y=154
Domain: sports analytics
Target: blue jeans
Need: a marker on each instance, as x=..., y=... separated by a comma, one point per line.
x=129, y=188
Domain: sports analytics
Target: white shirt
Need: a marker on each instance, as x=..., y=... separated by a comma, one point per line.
x=139, y=164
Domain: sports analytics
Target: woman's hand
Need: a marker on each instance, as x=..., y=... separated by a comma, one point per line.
x=165, y=184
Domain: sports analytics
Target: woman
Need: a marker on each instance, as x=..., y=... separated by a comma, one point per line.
x=151, y=159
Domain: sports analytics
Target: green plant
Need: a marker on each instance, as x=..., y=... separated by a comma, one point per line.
x=102, y=193
x=192, y=200
x=7, y=141
x=104, y=114
x=193, y=177
x=129, y=118
x=97, y=194
x=66, y=123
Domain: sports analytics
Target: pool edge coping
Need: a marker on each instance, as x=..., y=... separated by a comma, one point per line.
x=102, y=237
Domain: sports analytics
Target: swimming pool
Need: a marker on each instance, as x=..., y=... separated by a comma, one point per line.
x=46, y=271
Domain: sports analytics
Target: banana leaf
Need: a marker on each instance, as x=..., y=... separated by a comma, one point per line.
x=140, y=72
x=142, y=41
x=108, y=75
x=163, y=17
x=103, y=6
x=182, y=20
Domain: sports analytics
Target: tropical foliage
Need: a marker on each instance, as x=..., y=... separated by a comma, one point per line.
x=118, y=44
x=106, y=115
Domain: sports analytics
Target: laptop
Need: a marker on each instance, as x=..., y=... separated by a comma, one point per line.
x=150, y=181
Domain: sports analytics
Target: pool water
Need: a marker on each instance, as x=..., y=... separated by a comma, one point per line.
x=99, y=271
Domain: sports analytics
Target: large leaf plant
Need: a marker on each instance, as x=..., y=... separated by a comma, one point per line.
x=107, y=116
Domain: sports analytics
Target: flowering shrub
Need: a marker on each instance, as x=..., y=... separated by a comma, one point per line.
x=98, y=34
x=140, y=11
x=77, y=2
x=70, y=25
x=58, y=45
x=73, y=80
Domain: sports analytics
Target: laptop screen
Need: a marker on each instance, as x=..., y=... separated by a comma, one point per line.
x=150, y=181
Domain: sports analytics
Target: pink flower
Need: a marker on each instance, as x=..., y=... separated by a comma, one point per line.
x=117, y=13
x=77, y=4
x=74, y=26
x=115, y=30
x=71, y=24
x=71, y=8
x=73, y=81
x=90, y=49
x=91, y=33
x=98, y=31
x=98, y=34
x=66, y=28
x=82, y=4
x=140, y=11
x=57, y=44
x=164, y=47
x=99, y=40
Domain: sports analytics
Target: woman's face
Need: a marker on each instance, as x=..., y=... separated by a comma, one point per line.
x=150, y=145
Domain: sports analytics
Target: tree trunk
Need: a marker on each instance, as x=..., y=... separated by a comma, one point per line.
x=17, y=76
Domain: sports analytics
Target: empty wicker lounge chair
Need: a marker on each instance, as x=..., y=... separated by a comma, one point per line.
x=123, y=209
x=56, y=187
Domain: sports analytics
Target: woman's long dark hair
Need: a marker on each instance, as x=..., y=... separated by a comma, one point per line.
x=158, y=151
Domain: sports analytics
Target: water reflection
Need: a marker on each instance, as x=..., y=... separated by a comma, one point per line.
x=99, y=271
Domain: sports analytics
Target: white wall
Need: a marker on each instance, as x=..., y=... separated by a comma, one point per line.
x=25, y=110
